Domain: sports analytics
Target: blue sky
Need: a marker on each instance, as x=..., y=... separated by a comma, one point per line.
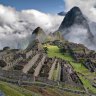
x=48, y=6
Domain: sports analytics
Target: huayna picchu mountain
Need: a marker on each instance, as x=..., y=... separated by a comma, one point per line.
x=74, y=16
x=75, y=27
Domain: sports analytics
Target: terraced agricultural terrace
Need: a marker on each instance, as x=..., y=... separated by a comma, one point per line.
x=45, y=70
x=66, y=51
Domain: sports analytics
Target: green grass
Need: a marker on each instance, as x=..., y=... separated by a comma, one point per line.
x=56, y=73
x=13, y=90
x=54, y=51
x=88, y=85
x=49, y=91
x=78, y=67
x=8, y=90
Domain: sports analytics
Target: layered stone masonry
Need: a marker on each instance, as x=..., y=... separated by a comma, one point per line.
x=45, y=69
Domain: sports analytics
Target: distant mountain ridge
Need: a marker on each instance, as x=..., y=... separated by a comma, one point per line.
x=62, y=13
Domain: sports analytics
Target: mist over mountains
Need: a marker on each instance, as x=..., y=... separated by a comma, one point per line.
x=16, y=27
x=75, y=28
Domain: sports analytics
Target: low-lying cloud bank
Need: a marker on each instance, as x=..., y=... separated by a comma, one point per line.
x=16, y=26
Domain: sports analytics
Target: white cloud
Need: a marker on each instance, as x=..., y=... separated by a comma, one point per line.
x=7, y=15
x=16, y=27
x=45, y=21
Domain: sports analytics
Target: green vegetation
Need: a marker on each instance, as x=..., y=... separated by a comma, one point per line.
x=13, y=90
x=34, y=90
x=54, y=51
x=49, y=91
x=56, y=73
x=87, y=84
x=78, y=67
x=8, y=90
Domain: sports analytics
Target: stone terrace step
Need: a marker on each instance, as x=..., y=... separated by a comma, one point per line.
x=52, y=69
x=30, y=63
x=38, y=68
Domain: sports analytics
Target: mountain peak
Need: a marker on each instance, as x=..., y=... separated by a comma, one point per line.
x=75, y=8
x=76, y=12
x=38, y=31
x=38, y=34
x=76, y=25
x=73, y=16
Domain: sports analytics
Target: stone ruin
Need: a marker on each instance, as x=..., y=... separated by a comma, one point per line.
x=90, y=65
x=79, y=53
x=35, y=65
